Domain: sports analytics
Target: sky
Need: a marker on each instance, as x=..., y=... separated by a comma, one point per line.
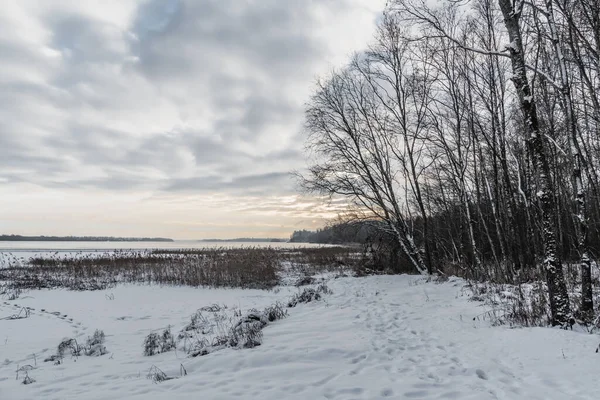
x=172, y=118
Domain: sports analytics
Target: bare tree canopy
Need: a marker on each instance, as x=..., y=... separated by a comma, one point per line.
x=471, y=130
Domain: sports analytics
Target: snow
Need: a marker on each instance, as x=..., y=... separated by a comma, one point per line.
x=512, y=46
x=374, y=337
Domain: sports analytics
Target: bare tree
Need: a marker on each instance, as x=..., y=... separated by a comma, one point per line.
x=403, y=88
x=350, y=137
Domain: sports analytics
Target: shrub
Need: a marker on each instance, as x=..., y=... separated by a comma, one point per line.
x=97, y=338
x=152, y=344
x=324, y=289
x=275, y=312
x=95, y=344
x=156, y=344
x=156, y=375
x=69, y=345
x=167, y=341
x=246, y=332
x=198, y=323
x=201, y=347
x=94, y=347
x=308, y=295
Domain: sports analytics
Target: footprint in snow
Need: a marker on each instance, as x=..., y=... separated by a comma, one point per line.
x=481, y=374
x=417, y=394
x=359, y=359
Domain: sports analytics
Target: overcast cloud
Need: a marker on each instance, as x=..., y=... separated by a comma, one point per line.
x=125, y=111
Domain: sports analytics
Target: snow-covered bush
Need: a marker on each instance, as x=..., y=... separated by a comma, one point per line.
x=221, y=331
x=157, y=375
x=95, y=344
x=156, y=343
x=167, y=341
x=275, y=312
x=94, y=347
x=201, y=347
x=308, y=295
x=198, y=323
x=152, y=344
x=324, y=289
x=247, y=332
x=69, y=345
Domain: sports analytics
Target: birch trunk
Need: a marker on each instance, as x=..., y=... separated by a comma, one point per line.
x=559, y=298
x=587, y=302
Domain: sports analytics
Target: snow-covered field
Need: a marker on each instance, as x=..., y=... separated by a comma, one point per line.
x=374, y=337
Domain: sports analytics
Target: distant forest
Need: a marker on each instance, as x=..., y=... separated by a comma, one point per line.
x=340, y=233
x=19, y=238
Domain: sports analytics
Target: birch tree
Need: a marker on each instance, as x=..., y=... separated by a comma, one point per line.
x=350, y=137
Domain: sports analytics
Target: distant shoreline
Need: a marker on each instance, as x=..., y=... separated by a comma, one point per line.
x=20, y=238
x=246, y=240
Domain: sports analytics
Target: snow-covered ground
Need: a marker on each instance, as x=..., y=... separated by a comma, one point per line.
x=374, y=337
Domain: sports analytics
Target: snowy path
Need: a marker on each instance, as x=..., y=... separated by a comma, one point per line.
x=392, y=337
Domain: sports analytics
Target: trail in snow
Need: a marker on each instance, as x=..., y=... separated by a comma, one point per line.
x=393, y=337
x=44, y=318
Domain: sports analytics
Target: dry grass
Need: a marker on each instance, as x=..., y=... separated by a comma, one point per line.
x=527, y=303
x=257, y=268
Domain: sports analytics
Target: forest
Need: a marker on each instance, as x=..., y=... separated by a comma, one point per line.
x=469, y=133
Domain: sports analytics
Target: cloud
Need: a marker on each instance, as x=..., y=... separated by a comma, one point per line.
x=257, y=185
x=165, y=95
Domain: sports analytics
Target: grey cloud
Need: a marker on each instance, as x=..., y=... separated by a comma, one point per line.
x=83, y=39
x=272, y=36
x=248, y=185
x=194, y=95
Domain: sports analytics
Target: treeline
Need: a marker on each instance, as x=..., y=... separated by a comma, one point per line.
x=19, y=238
x=471, y=130
x=338, y=233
